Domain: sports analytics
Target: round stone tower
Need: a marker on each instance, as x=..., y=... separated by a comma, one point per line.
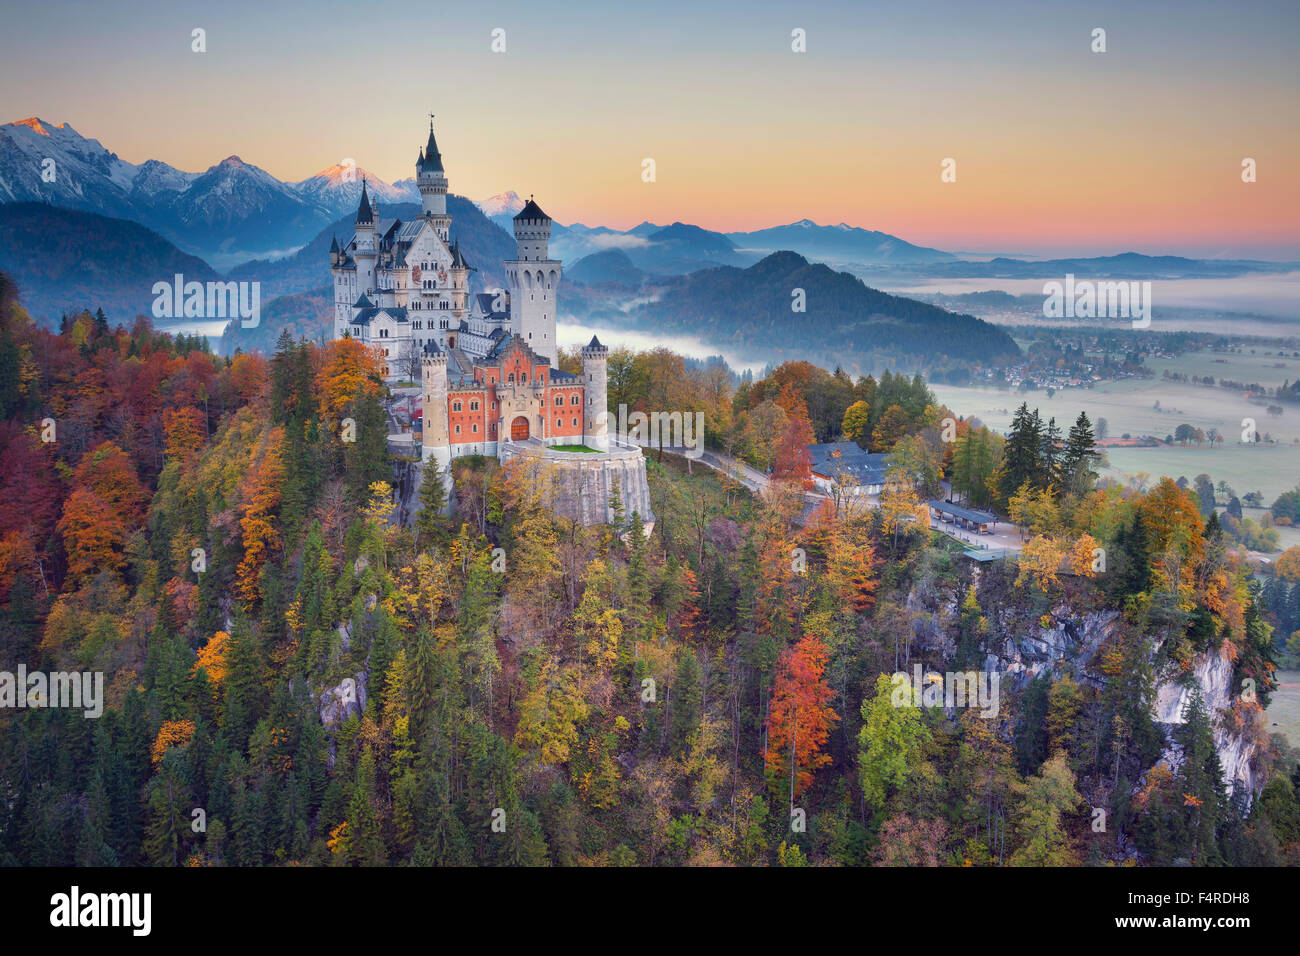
x=595, y=410
x=436, y=440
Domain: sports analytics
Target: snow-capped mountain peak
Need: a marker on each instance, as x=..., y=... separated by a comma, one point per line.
x=506, y=203
x=33, y=123
x=338, y=188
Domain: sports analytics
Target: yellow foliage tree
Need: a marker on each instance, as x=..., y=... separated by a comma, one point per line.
x=172, y=733
x=212, y=658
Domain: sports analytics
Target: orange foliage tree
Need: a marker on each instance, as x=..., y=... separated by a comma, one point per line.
x=1173, y=524
x=107, y=471
x=172, y=733
x=261, y=495
x=799, y=720
x=212, y=657
x=94, y=535
x=791, y=459
x=186, y=431
x=346, y=367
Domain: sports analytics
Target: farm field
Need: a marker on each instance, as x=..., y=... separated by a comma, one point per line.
x=1157, y=407
x=1284, y=708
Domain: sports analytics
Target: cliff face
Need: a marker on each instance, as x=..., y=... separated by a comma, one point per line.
x=1021, y=648
x=1212, y=671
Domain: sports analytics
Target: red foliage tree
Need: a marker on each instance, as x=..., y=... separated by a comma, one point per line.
x=800, y=717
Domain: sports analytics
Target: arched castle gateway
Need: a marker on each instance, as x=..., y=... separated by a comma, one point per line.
x=490, y=384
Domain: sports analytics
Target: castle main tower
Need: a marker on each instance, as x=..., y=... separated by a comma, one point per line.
x=595, y=408
x=431, y=180
x=534, y=281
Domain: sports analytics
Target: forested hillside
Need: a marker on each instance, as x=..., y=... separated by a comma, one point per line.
x=503, y=687
x=835, y=315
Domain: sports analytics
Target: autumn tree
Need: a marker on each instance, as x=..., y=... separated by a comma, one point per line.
x=893, y=425
x=857, y=423
x=257, y=523
x=800, y=718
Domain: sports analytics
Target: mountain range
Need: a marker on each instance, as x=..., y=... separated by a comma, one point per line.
x=837, y=243
x=230, y=212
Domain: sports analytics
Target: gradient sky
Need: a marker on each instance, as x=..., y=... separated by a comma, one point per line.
x=1058, y=149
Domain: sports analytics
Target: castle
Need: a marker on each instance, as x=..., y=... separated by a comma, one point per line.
x=490, y=382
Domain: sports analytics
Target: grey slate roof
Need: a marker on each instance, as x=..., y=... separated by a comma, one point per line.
x=845, y=461
x=484, y=300
x=531, y=211
x=363, y=210
x=432, y=158
x=398, y=313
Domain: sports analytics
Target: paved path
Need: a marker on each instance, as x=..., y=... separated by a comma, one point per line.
x=742, y=472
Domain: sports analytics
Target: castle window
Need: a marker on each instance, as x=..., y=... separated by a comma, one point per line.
x=473, y=406
x=475, y=429
x=558, y=423
x=574, y=400
x=511, y=378
x=559, y=399
x=575, y=423
x=457, y=429
x=455, y=406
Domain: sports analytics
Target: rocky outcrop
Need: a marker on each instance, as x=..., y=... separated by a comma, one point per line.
x=1212, y=672
x=1030, y=651
x=346, y=700
x=407, y=475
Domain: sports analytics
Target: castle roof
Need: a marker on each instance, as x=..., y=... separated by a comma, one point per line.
x=395, y=312
x=432, y=158
x=484, y=301
x=510, y=341
x=334, y=243
x=531, y=211
x=457, y=259
x=594, y=343
x=363, y=302
x=431, y=348
x=364, y=215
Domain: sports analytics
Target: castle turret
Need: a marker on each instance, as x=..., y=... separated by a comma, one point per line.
x=459, y=276
x=595, y=411
x=436, y=439
x=365, y=253
x=431, y=180
x=534, y=281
